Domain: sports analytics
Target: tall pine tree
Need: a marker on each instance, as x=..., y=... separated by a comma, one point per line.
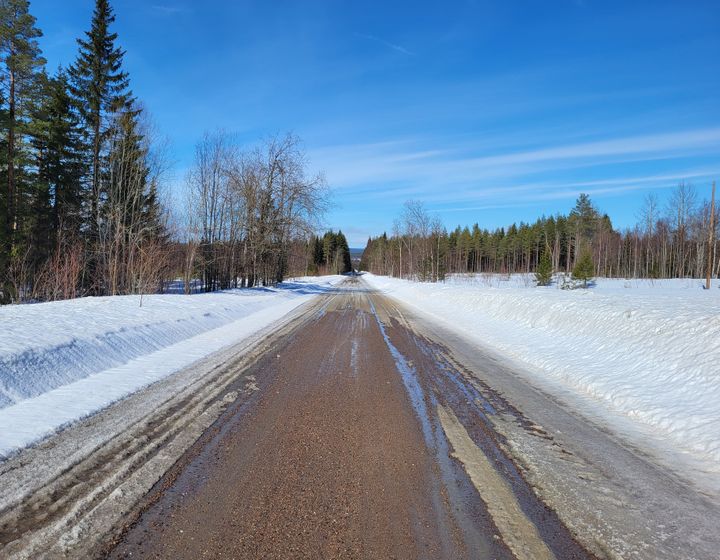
x=21, y=65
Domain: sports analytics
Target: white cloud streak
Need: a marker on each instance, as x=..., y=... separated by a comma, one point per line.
x=169, y=10
x=408, y=168
x=393, y=46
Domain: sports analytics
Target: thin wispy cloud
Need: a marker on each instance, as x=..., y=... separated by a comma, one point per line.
x=530, y=194
x=170, y=10
x=388, y=44
x=355, y=165
x=672, y=142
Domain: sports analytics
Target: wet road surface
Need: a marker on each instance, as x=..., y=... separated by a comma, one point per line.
x=355, y=437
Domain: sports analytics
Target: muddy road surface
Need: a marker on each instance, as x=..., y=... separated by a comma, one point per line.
x=363, y=431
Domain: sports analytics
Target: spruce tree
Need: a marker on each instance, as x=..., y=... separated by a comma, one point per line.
x=132, y=216
x=126, y=170
x=152, y=214
x=130, y=183
x=101, y=91
x=317, y=252
x=40, y=231
x=544, y=271
x=584, y=268
x=22, y=61
x=57, y=139
x=329, y=249
x=342, y=247
x=367, y=254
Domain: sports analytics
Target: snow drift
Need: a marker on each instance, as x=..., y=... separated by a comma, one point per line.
x=648, y=351
x=60, y=361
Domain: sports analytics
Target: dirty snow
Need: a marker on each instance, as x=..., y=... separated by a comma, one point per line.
x=645, y=351
x=64, y=360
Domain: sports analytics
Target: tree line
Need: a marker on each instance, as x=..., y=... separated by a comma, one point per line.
x=672, y=242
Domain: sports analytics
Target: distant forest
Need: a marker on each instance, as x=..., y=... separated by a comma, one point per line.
x=81, y=169
x=672, y=242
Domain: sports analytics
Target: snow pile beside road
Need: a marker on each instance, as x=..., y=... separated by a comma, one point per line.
x=60, y=361
x=647, y=350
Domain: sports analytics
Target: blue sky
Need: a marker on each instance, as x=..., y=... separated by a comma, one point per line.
x=489, y=111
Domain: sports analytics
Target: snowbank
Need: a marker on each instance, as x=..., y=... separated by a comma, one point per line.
x=648, y=351
x=63, y=360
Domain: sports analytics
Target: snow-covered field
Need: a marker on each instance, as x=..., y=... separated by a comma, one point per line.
x=61, y=361
x=645, y=351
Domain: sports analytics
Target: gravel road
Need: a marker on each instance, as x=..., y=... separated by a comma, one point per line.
x=347, y=453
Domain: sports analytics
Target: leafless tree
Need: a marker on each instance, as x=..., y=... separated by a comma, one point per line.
x=680, y=207
x=210, y=201
x=250, y=207
x=60, y=276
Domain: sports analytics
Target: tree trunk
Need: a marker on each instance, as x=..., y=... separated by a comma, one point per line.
x=11, y=200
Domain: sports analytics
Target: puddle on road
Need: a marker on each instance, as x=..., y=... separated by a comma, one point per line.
x=354, y=357
x=410, y=380
x=474, y=397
